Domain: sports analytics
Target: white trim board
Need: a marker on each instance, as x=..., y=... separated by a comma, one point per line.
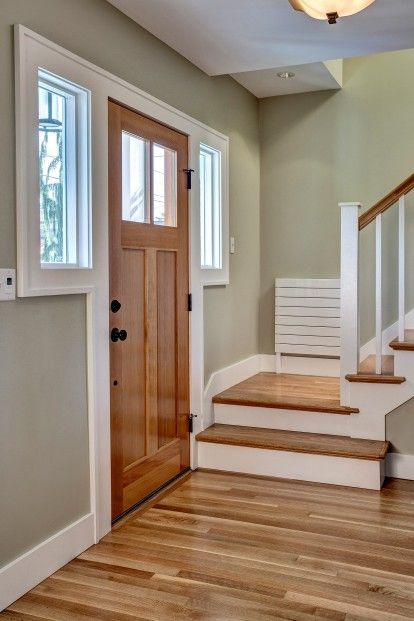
x=30, y=568
x=400, y=466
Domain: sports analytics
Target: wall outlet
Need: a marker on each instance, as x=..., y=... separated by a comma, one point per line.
x=232, y=245
x=7, y=284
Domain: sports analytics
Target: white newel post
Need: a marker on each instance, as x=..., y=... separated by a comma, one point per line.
x=349, y=295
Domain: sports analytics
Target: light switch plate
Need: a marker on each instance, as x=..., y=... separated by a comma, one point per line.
x=7, y=284
x=232, y=245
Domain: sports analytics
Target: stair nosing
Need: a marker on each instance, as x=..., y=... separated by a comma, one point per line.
x=323, y=409
x=372, y=378
x=203, y=437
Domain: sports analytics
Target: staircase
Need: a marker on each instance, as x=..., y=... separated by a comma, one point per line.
x=324, y=429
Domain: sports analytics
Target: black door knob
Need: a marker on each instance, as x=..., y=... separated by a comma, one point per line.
x=118, y=335
x=115, y=306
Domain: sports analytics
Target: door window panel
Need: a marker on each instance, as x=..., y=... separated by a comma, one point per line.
x=164, y=162
x=135, y=178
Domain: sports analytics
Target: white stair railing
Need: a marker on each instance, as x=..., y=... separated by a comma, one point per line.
x=351, y=225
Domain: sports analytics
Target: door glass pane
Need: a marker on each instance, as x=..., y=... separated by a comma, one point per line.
x=135, y=186
x=165, y=186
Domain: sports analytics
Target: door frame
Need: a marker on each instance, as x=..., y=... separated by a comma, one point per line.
x=34, y=51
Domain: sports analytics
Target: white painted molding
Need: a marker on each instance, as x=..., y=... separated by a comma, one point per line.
x=349, y=295
x=400, y=466
x=223, y=379
x=28, y=570
x=308, y=365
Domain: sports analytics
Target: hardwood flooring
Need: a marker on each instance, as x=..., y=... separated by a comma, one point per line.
x=224, y=547
x=295, y=441
x=309, y=393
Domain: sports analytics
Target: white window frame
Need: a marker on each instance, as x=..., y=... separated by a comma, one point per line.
x=211, y=226
x=31, y=52
x=34, y=277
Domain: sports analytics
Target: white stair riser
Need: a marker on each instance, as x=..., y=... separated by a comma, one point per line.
x=290, y=420
x=300, y=466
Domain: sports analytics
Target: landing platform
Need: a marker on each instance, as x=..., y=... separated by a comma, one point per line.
x=309, y=393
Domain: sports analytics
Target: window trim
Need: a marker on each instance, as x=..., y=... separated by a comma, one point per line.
x=34, y=276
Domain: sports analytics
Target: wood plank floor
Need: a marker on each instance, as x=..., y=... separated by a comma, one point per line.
x=224, y=547
x=287, y=391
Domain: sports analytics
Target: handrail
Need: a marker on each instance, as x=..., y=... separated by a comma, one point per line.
x=386, y=202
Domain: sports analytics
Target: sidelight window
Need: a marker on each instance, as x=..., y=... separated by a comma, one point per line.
x=210, y=208
x=63, y=156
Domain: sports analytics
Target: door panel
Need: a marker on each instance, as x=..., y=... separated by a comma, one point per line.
x=148, y=231
x=167, y=351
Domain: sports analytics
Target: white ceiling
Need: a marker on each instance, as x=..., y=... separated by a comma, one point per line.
x=311, y=77
x=238, y=36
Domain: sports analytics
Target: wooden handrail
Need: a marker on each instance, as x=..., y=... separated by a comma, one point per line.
x=386, y=202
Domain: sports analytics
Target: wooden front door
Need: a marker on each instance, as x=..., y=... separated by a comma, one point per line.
x=148, y=317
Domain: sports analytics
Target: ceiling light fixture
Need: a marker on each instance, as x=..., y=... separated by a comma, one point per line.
x=330, y=9
x=286, y=75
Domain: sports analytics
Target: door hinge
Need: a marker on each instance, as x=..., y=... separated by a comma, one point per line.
x=190, y=302
x=189, y=172
x=191, y=422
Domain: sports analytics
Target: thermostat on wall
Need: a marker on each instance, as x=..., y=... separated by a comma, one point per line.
x=7, y=284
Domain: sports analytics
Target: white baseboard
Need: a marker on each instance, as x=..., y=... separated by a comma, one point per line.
x=307, y=365
x=28, y=570
x=361, y=473
x=400, y=466
x=225, y=378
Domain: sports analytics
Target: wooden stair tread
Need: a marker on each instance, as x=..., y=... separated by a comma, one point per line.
x=366, y=373
x=295, y=441
x=309, y=393
x=407, y=344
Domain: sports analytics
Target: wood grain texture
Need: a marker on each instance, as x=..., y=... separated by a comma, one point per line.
x=309, y=393
x=367, y=375
x=386, y=202
x=149, y=275
x=226, y=547
x=295, y=441
x=407, y=344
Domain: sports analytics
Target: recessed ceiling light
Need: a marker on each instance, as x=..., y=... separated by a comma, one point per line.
x=286, y=75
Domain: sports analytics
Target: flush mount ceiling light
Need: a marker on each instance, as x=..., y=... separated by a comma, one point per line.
x=286, y=75
x=330, y=9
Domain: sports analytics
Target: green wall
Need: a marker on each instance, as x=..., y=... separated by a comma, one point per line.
x=319, y=149
x=44, y=475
